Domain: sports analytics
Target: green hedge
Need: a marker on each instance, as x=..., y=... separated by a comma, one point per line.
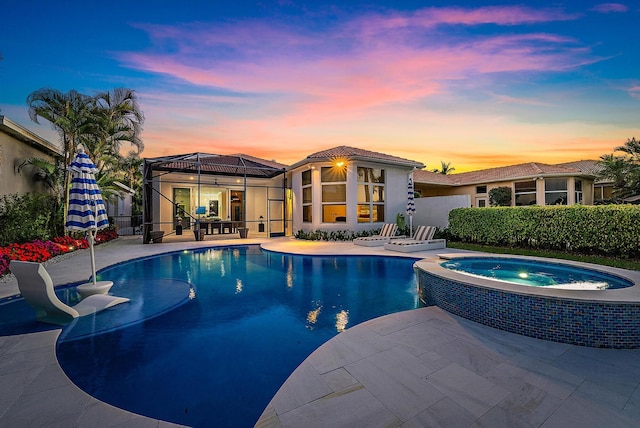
x=612, y=230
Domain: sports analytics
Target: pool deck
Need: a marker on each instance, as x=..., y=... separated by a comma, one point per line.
x=417, y=368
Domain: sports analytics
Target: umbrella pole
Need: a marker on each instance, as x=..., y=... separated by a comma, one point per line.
x=93, y=256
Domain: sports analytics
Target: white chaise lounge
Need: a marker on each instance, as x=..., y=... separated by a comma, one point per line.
x=36, y=287
x=422, y=240
x=387, y=232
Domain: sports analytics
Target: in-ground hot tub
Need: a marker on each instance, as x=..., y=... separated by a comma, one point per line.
x=595, y=314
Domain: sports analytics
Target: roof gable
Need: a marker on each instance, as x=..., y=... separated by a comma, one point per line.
x=354, y=153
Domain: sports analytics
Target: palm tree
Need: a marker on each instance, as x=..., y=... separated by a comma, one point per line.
x=623, y=170
x=68, y=114
x=100, y=123
x=121, y=117
x=446, y=168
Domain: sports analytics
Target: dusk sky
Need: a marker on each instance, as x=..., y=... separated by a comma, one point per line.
x=474, y=83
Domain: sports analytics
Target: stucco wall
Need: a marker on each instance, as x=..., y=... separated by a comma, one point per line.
x=12, y=153
x=434, y=211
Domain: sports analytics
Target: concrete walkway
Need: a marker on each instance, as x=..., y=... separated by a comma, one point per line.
x=417, y=368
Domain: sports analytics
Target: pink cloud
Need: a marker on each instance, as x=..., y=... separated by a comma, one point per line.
x=610, y=8
x=369, y=82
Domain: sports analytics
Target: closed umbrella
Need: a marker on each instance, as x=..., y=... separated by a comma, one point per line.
x=87, y=212
x=411, y=206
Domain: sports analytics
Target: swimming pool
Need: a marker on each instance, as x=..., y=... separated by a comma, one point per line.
x=536, y=273
x=237, y=322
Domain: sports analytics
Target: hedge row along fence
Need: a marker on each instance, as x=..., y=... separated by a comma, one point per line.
x=612, y=230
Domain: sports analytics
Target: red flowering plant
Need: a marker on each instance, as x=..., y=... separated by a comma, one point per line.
x=40, y=251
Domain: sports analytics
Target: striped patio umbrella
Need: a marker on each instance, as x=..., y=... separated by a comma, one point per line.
x=411, y=206
x=87, y=212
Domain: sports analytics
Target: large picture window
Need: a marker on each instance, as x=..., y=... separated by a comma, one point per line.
x=555, y=191
x=525, y=193
x=370, y=195
x=334, y=194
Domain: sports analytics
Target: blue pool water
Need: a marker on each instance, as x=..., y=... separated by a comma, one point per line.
x=235, y=323
x=536, y=273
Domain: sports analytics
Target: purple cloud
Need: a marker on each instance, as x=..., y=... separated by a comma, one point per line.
x=610, y=8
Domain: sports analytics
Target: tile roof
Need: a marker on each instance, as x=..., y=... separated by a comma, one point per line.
x=356, y=153
x=506, y=173
x=231, y=165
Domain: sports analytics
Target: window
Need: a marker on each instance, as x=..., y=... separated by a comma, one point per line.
x=332, y=174
x=481, y=189
x=307, y=198
x=370, y=195
x=306, y=177
x=555, y=191
x=525, y=193
x=334, y=194
x=482, y=203
x=578, y=191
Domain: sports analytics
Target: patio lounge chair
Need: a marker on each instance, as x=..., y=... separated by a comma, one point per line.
x=422, y=240
x=387, y=232
x=36, y=287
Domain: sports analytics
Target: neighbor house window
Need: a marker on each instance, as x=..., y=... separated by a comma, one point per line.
x=334, y=194
x=370, y=195
x=481, y=189
x=578, y=191
x=555, y=191
x=307, y=199
x=525, y=193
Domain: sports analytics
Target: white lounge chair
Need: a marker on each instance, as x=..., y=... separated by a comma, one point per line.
x=422, y=240
x=387, y=232
x=36, y=287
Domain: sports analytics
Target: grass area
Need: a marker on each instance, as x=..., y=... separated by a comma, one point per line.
x=631, y=264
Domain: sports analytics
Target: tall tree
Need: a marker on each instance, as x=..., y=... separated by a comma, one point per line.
x=69, y=115
x=623, y=170
x=100, y=123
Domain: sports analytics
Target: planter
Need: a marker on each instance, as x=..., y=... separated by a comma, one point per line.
x=199, y=234
x=243, y=231
x=156, y=236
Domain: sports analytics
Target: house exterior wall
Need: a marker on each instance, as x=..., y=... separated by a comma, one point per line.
x=475, y=198
x=395, y=196
x=13, y=152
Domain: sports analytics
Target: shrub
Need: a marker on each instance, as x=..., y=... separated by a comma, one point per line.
x=27, y=217
x=610, y=230
x=500, y=196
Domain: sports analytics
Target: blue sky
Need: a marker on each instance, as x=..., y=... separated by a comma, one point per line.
x=477, y=84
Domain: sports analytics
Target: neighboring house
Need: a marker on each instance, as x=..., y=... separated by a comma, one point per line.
x=346, y=188
x=530, y=183
x=120, y=205
x=18, y=144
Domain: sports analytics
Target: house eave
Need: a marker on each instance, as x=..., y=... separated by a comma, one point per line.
x=23, y=134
